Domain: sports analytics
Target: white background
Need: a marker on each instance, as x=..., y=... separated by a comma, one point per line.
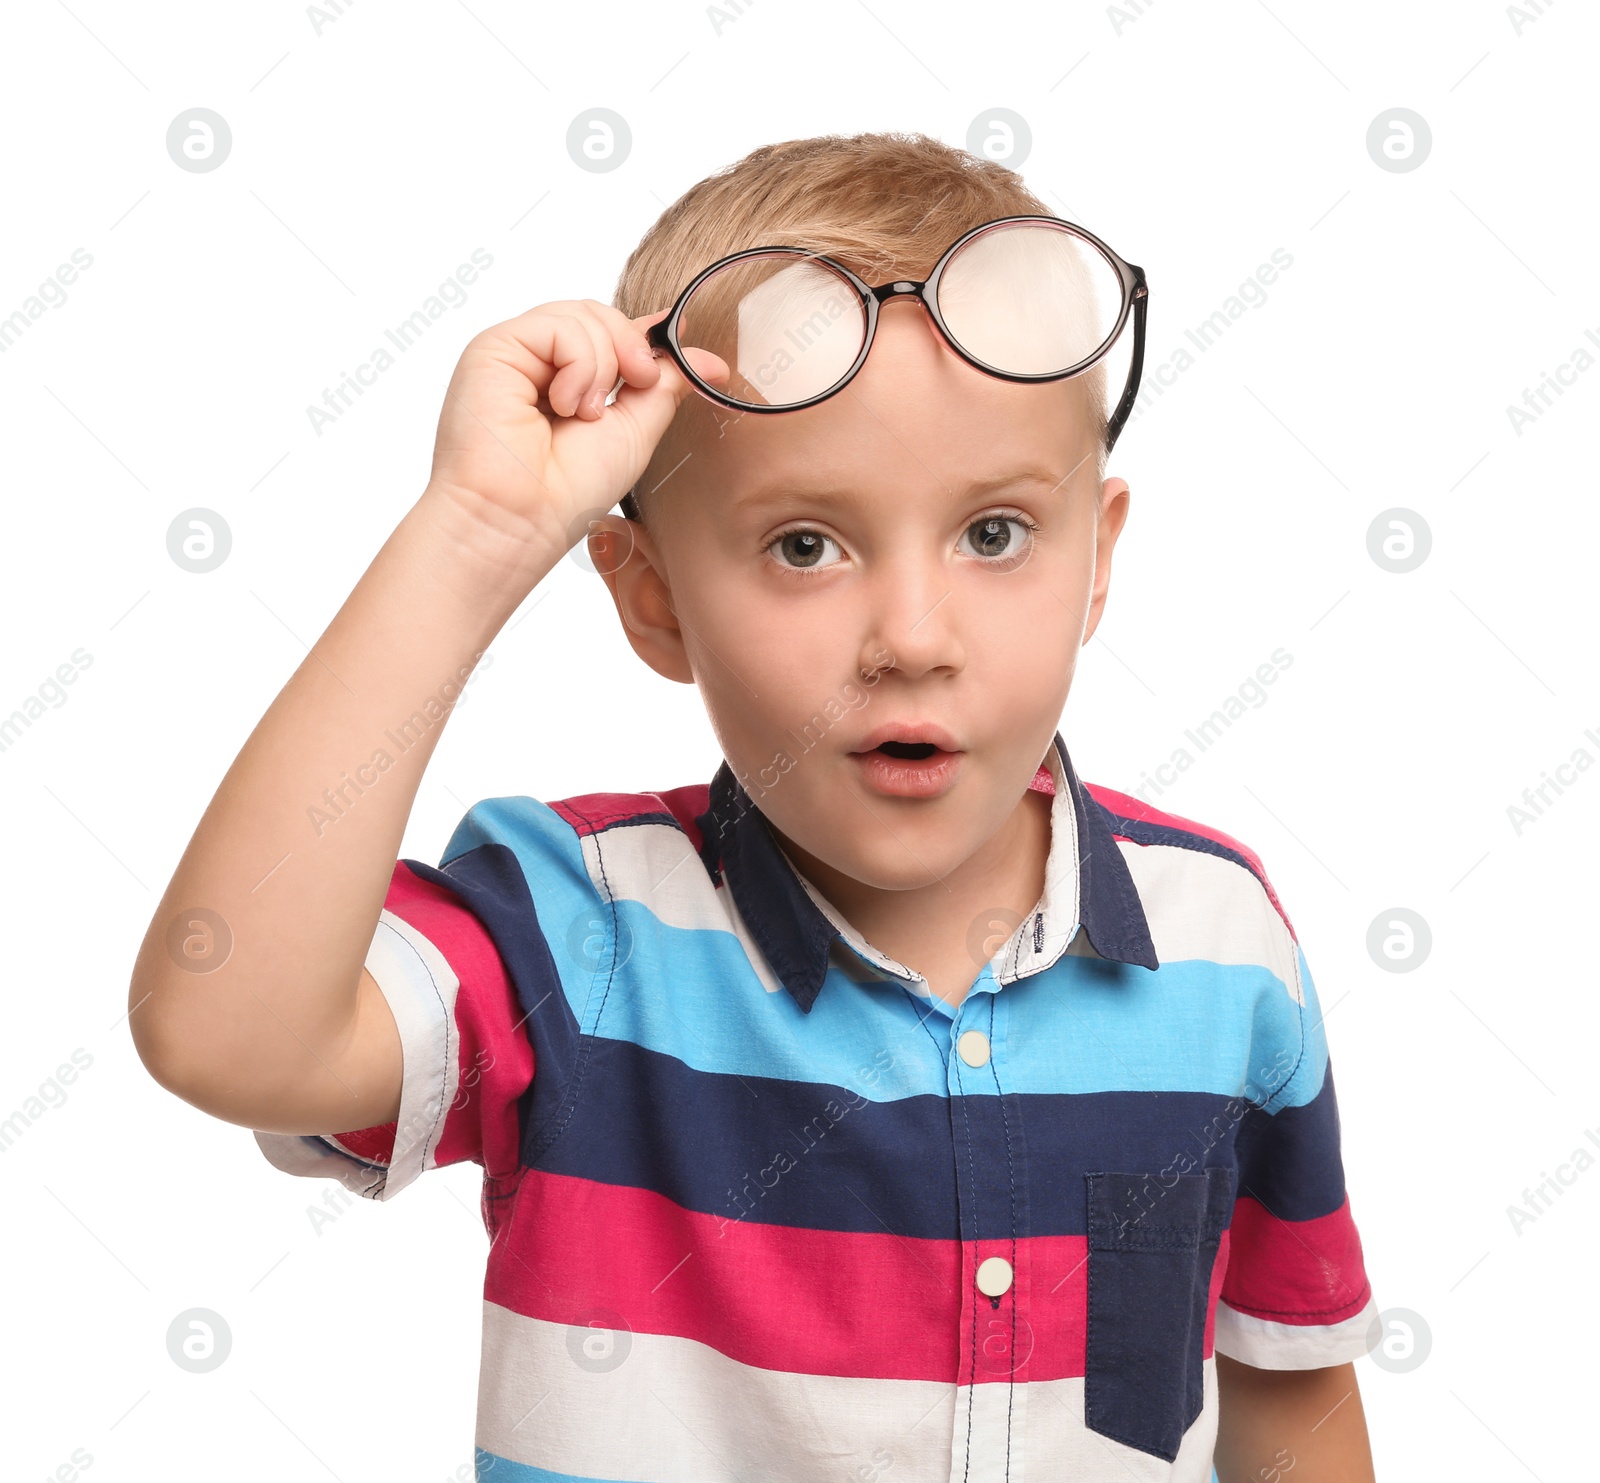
x=367, y=162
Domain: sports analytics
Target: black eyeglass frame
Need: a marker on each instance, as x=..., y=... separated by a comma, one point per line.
x=662, y=336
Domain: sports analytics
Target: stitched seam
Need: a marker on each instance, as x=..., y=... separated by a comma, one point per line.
x=972, y=1177
x=1132, y=829
x=604, y=826
x=1351, y=1309
x=548, y=1140
x=432, y=1140
x=1300, y=1015
x=328, y=1140
x=1005, y=1124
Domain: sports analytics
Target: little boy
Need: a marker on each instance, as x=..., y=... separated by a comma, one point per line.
x=896, y=1106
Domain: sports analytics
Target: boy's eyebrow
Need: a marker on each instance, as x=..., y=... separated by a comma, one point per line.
x=828, y=492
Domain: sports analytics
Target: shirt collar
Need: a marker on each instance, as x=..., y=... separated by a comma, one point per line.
x=1087, y=883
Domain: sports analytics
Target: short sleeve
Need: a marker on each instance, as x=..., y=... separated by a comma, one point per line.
x=1295, y=1294
x=467, y=1057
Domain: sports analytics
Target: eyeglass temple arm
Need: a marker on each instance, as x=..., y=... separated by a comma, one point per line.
x=1119, y=418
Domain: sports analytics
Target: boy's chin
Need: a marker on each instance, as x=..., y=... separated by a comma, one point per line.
x=865, y=852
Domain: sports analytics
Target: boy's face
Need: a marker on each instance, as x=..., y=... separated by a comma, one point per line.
x=865, y=569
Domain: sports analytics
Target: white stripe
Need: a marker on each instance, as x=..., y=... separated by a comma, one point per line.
x=1065, y=1448
x=1213, y=909
x=655, y=865
x=677, y=1411
x=1292, y=1346
x=601, y=1405
x=989, y=1441
x=420, y=989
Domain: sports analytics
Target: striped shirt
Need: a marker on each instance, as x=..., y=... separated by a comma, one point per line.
x=763, y=1207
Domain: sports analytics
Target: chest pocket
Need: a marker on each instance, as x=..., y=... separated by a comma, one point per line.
x=1151, y=1250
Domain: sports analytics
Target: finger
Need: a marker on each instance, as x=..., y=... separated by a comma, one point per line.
x=539, y=342
x=636, y=362
x=593, y=398
x=652, y=408
x=707, y=364
x=573, y=352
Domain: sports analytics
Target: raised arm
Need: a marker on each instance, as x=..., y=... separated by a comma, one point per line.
x=249, y=997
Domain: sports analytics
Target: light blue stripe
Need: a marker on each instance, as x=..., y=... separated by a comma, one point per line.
x=488, y=1468
x=1084, y=1025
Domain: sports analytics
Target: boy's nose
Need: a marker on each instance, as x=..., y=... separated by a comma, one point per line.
x=913, y=617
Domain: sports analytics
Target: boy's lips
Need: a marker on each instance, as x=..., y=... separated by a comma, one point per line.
x=908, y=759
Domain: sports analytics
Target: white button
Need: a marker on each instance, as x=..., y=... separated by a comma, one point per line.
x=973, y=1048
x=994, y=1276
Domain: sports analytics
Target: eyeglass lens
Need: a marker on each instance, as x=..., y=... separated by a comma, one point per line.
x=1022, y=298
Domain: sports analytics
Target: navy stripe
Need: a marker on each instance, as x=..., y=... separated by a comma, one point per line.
x=1142, y=831
x=628, y=822
x=1289, y=1160
x=821, y=1157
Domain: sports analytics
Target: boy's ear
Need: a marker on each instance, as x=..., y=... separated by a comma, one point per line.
x=1113, y=513
x=625, y=555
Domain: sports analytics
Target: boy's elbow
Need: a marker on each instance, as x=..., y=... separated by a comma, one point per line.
x=161, y=1053
x=175, y=1051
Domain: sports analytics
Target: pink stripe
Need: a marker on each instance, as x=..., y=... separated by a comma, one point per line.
x=1219, y=1270
x=496, y=1058
x=1296, y=1271
x=589, y=813
x=784, y=1298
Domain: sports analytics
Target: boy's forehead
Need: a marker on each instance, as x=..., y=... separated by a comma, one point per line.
x=915, y=415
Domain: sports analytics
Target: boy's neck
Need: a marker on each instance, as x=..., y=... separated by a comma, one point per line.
x=933, y=928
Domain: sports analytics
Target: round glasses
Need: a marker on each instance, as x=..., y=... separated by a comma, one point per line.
x=1024, y=298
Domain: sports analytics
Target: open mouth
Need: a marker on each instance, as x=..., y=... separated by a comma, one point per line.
x=909, y=751
x=920, y=762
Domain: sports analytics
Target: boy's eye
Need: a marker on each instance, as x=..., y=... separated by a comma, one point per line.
x=996, y=535
x=805, y=548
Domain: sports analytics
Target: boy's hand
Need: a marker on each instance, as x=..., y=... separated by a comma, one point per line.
x=526, y=442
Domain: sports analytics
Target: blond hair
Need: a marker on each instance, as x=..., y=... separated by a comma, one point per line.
x=884, y=205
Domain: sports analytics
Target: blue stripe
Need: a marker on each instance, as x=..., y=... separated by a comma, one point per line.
x=488, y=1468
x=1083, y=1025
x=813, y=1155
x=1289, y=1161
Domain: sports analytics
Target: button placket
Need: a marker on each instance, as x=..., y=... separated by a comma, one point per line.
x=995, y=1337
